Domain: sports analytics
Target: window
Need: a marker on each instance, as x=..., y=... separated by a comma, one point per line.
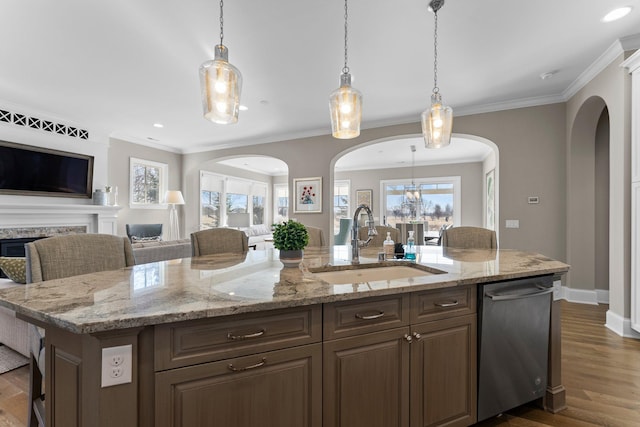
x=281, y=202
x=438, y=203
x=237, y=196
x=147, y=183
x=341, y=202
x=258, y=209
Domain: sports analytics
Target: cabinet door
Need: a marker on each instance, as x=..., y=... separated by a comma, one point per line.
x=443, y=373
x=273, y=389
x=365, y=382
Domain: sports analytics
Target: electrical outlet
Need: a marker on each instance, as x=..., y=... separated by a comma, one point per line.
x=116, y=365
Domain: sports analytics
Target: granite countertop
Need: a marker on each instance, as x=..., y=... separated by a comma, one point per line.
x=218, y=285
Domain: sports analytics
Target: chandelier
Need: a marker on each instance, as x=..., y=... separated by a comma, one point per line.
x=412, y=194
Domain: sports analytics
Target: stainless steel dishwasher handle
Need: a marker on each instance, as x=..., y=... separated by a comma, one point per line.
x=504, y=297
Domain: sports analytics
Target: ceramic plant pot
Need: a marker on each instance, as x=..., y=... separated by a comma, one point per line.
x=291, y=259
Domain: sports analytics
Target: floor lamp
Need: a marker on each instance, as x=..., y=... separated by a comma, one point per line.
x=174, y=198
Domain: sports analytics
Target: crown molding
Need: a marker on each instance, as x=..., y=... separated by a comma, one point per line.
x=616, y=49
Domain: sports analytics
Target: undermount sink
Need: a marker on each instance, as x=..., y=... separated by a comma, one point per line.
x=362, y=274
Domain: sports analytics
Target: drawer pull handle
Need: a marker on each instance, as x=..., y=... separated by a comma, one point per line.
x=447, y=304
x=369, y=316
x=246, y=368
x=232, y=337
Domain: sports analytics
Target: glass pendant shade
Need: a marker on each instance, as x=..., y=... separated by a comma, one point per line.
x=437, y=122
x=220, y=84
x=345, y=104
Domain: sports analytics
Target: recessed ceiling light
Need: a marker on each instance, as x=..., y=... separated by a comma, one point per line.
x=616, y=14
x=158, y=125
x=243, y=108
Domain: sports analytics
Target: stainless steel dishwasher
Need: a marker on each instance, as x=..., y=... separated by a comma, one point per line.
x=514, y=341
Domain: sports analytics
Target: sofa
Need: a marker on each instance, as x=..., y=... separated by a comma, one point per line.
x=162, y=250
x=14, y=332
x=257, y=235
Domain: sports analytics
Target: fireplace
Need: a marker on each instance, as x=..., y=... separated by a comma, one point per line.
x=14, y=248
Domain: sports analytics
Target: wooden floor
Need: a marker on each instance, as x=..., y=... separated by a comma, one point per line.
x=601, y=372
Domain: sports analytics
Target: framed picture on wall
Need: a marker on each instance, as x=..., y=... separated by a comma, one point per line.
x=491, y=199
x=308, y=195
x=364, y=197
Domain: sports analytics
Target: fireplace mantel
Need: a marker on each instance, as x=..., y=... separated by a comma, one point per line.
x=96, y=218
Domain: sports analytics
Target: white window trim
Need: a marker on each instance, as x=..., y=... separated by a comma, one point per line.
x=164, y=182
x=457, y=193
x=223, y=196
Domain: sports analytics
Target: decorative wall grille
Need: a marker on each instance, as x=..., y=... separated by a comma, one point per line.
x=44, y=125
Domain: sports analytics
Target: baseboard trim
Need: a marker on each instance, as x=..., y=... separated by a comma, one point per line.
x=579, y=295
x=620, y=325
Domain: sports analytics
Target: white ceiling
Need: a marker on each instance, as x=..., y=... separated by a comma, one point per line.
x=117, y=67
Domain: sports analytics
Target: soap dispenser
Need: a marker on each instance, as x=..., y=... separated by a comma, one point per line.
x=388, y=247
x=410, y=252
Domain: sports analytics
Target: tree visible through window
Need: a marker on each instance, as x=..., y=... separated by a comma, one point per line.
x=148, y=183
x=436, y=205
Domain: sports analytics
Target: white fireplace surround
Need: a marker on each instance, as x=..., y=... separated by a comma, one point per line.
x=95, y=218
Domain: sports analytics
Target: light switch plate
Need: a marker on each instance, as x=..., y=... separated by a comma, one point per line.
x=512, y=223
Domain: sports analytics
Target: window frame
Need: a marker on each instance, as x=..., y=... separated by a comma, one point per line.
x=456, y=181
x=163, y=183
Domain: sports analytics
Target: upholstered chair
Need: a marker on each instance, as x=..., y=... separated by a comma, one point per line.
x=57, y=258
x=469, y=238
x=344, y=233
x=218, y=240
x=144, y=231
x=381, y=237
x=316, y=237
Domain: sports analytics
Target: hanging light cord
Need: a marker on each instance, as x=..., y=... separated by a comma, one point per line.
x=436, y=89
x=345, y=69
x=221, y=22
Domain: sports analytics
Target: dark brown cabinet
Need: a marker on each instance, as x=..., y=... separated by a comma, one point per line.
x=443, y=373
x=418, y=375
x=273, y=389
x=366, y=380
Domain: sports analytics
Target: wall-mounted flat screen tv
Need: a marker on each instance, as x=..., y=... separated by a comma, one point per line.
x=35, y=171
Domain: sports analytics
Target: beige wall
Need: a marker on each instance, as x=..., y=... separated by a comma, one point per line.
x=612, y=87
x=119, y=154
x=531, y=163
x=602, y=202
x=532, y=157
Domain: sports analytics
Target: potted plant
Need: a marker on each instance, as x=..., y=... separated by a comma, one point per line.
x=290, y=238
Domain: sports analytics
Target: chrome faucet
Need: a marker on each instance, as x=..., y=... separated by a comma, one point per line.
x=356, y=243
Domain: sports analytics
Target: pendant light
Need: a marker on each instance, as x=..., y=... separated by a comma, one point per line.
x=345, y=103
x=220, y=84
x=437, y=120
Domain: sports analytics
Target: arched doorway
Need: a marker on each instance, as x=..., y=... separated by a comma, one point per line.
x=588, y=203
x=367, y=166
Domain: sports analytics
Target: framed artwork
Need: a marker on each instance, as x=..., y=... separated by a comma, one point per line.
x=308, y=195
x=491, y=199
x=363, y=197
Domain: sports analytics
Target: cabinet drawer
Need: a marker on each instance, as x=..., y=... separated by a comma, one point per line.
x=207, y=340
x=442, y=303
x=279, y=388
x=347, y=318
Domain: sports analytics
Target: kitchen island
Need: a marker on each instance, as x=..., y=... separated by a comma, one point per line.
x=240, y=341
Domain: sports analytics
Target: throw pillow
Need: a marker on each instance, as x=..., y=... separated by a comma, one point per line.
x=135, y=239
x=15, y=268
